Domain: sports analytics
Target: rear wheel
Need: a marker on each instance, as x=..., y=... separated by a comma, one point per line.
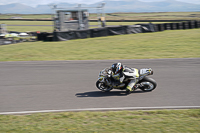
x=103, y=87
x=148, y=84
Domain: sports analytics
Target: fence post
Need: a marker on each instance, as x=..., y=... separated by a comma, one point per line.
x=156, y=27
x=161, y=27
x=173, y=26
x=185, y=25
x=167, y=26
x=180, y=25
x=197, y=24
x=191, y=24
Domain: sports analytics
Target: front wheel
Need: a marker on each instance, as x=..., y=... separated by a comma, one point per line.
x=148, y=84
x=103, y=87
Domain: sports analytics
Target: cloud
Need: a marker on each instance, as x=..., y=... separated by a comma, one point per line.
x=44, y=2
x=187, y=1
x=191, y=1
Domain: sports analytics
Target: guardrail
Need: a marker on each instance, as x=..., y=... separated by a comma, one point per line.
x=177, y=26
x=116, y=30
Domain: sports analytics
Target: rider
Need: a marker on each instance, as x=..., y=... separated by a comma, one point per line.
x=121, y=72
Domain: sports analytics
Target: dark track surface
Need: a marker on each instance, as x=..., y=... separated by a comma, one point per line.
x=57, y=85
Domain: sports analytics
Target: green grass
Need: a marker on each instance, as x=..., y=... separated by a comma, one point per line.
x=152, y=16
x=120, y=16
x=32, y=16
x=165, y=121
x=30, y=28
x=11, y=22
x=166, y=44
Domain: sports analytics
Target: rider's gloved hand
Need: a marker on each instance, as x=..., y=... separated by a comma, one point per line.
x=109, y=73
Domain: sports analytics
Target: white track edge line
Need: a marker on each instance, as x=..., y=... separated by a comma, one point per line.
x=101, y=109
x=37, y=61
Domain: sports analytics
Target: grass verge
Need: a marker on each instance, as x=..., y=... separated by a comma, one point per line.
x=120, y=16
x=157, y=121
x=167, y=44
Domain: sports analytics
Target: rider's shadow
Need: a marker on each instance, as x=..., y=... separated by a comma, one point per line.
x=104, y=94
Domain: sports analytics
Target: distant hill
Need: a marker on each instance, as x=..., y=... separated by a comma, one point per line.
x=138, y=6
x=16, y=8
x=111, y=6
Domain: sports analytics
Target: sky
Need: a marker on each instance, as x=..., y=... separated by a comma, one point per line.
x=34, y=3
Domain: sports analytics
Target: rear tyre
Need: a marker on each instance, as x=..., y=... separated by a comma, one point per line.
x=103, y=87
x=148, y=84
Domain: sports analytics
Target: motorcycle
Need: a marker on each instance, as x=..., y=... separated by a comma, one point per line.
x=146, y=84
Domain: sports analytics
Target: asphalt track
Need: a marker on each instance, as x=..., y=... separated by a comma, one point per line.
x=45, y=86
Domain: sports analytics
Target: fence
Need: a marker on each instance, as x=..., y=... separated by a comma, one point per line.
x=108, y=31
x=116, y=30
x=177, y=26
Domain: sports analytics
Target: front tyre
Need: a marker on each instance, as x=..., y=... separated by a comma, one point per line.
x=147, y=84
x=103, y=87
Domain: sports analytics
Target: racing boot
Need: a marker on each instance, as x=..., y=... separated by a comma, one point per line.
x=135, y=87
x=128, y=89
x=130, y=86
